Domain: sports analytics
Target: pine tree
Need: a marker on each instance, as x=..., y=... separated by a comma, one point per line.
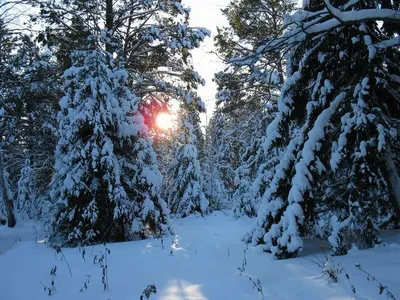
x=9, y=95
x=185, y=191
x=250, y=87
x=26, y=201
x=30, y=91
x=40, y=88
x=337, y=125
x=153, y=42
x=106, y=180
x=243, y=198
x=217, y=170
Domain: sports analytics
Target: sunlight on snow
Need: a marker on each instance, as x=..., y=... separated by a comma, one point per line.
x=182, y=290
x=176, y=246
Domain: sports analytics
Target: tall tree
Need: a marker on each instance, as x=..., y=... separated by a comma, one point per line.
x=9, y=103
x=250, y=87
x=217, y=169
x=185, y=190
x=40, y=88
x=337, y=123
x=155, y=40
x=106, y=180
x=143, y=48
x=26, y=201
x=30, y=93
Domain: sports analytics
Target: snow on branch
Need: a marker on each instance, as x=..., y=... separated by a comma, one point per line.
x=389, y=43
x=304, y=23
x=363, y=15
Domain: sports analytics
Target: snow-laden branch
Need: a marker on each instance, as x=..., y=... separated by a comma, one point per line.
x=389, y=43
x=306, y=23
x=341, y=17
x=350, y=4
x=363, y=15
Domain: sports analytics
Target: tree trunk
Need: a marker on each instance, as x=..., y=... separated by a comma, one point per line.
x=109, y=22
x=393, y=182
x=5, y=191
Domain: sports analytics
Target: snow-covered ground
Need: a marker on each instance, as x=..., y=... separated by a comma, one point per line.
x=22, y=232
x=201, y=262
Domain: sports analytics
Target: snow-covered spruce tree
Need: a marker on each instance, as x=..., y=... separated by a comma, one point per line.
x=154, y=36
x=185, y=191
x=9, y=100
x=256, y=168
x=217, y=170
x=243, y=199
x=106, y=182
x=40, y=88
x=30, y=93
x=29, y=96
x=26, y=204
x=337, y=118
x=250, y=87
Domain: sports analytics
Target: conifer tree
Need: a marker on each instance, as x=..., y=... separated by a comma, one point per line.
x=26, y=204
x=30, y=90
x=106, y=181
x=217, y=170
x=336, y=124
x=185, y=189
x=9, y=95
x=250, y=87
x=150, y=40
x=155, y=40
x=40, y=88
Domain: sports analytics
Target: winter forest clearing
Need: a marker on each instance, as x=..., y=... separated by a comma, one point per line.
x=111, y=186
x=201, y=262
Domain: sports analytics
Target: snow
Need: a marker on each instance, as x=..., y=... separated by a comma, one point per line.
x=200, y=262
x=23, y=231
x=362, y=15
x=389, y=43
x=302, y=177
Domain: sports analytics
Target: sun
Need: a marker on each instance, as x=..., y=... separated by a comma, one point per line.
x=164, y=121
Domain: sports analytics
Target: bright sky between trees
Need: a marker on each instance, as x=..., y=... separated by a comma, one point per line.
x=207, y=14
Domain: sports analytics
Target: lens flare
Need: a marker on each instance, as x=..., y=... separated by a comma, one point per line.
x=164, y=121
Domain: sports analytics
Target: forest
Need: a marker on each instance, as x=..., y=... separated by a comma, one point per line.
x=103, y=151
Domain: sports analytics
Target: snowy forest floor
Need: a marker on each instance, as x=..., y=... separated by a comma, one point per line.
x=200, y=262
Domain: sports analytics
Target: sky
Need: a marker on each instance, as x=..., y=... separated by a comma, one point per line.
x=207, y=13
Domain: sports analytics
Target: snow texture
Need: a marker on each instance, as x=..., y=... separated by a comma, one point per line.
x=201, y=262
